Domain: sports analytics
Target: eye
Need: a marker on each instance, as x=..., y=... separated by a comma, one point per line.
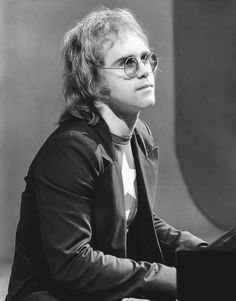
x=130, y=61
x=145, y=57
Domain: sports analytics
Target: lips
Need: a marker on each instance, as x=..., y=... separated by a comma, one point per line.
x=145, y=86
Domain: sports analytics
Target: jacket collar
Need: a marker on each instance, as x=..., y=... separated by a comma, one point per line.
x=144, y=140
x=144, y=151
x=140, y=135
x=102, y=130
x=147, y=168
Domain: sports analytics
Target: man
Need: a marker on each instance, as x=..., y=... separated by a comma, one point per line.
x=86, y=229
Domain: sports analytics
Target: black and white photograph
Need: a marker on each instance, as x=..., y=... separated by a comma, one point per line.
x=117, y=150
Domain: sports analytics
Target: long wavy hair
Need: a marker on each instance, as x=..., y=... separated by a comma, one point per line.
x=82, y=56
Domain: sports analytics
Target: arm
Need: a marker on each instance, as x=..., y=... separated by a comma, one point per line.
x=171, y=238
x=65, y=177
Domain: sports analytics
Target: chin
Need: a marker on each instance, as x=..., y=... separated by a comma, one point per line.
x=148, y=102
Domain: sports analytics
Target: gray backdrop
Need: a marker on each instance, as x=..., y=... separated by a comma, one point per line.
x=31, y=34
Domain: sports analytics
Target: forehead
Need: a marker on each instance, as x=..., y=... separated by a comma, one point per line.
x=124, y=44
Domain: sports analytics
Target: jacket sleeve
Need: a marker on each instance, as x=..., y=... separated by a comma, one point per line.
x=171, y=238
x=65, y=176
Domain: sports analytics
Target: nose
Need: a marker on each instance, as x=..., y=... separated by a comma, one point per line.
x=143, y=70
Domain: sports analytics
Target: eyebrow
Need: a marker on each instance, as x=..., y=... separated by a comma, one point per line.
x=122, y=58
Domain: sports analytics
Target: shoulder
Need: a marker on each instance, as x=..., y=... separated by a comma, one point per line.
x=76, y=134
x=71, y=145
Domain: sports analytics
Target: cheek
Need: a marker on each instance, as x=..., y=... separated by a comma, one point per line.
x=152, y=77
x=121, y=89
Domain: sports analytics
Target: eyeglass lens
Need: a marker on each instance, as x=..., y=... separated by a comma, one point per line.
x=132, y=66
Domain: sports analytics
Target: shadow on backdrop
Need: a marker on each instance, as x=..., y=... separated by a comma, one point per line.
x=205, y=78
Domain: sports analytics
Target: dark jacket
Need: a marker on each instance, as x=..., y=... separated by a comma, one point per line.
x=72, y=237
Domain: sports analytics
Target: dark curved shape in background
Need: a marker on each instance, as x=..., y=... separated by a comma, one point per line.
x=205, y=112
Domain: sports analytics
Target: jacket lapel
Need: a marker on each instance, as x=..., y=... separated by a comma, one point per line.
x=146, y=158
x=104, y=134
x=147, y=166
x=111, y=188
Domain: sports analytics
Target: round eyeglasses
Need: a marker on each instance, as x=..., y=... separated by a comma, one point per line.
x=131, y=64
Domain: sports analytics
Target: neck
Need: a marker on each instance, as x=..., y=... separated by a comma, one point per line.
x=121, y=125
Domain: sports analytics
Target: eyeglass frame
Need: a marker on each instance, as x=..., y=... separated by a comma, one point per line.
x=137, y=64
